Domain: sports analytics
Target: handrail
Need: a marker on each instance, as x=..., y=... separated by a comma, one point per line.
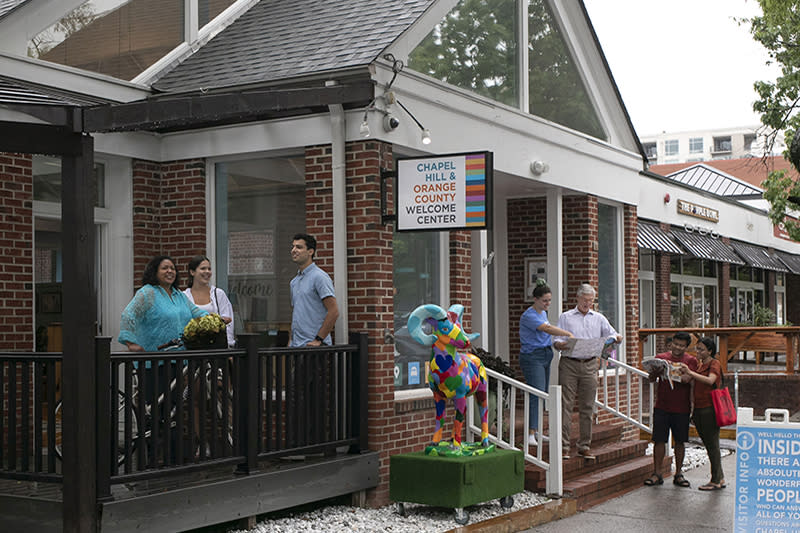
x=624, y=410
x=550, y=402
x=791, y=336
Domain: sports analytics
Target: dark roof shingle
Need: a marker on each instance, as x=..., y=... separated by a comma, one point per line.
x=278, y=39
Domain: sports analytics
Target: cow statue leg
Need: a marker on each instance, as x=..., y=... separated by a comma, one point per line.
x=461, y=409
x=439, y=401
x=482, y=397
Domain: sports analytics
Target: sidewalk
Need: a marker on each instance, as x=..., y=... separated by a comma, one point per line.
x=664, y=507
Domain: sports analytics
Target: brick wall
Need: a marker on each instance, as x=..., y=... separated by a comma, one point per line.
x=527, y=237
x=579, y=223
x=461, y=274
x=169, y=213
x=16, y=261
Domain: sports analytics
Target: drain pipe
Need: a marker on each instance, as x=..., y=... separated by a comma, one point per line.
x=339, y=216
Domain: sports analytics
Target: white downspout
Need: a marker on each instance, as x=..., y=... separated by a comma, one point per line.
x=339, y=217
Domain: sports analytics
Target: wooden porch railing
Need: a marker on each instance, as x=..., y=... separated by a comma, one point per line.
x=732, y=340
x=222, y=407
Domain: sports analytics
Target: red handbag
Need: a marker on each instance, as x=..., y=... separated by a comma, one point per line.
x=723, y=407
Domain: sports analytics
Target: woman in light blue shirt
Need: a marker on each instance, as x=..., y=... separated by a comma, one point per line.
x=536, y=353
x=158, y=311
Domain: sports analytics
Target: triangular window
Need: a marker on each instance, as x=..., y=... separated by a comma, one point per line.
x=476, y=47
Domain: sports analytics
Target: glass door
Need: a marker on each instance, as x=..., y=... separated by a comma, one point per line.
x=647, y=313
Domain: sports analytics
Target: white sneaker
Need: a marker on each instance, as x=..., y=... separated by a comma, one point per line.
x=532, y=439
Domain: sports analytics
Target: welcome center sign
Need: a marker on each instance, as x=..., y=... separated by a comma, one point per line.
x=444, y=192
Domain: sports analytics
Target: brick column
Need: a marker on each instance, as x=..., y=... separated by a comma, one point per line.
x=461, y=275
x=724, y=290
x=579, y=222
x=16, y=261
x=631, y=258
x=527, y=237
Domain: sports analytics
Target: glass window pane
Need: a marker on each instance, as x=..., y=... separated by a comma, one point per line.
x=556, y=89
x=209, y=9
x=260, y=206
x=671, y=147
x=607, y=263
x=758, y=274
x=416, y=282
x=709, y=269
x=474, y=48
x=710, y=303
x=120, y=38
x=675, y=264
x=47, y=180
x=693, y=267
x=780, y=308
x=676, y=305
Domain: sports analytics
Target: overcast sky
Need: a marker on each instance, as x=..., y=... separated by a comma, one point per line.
x=682, y=64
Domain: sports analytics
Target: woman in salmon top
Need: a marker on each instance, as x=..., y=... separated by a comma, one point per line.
x=707, y=377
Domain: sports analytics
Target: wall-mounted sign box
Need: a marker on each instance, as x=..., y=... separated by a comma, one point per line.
x=697, y=211
x=444, y=192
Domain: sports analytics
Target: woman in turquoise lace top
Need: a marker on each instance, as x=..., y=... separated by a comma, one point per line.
x=159, y=311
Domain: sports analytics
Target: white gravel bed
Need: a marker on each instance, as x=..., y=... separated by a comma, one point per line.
x=418, y=518
x=337, y=518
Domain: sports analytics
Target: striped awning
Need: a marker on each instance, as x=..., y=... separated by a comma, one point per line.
x=791, y=261
x=652, y=237
x=706, y=247
x=758, y=257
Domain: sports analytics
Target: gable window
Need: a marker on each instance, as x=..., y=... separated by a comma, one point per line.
x=477, y=47
x=696, y=145
x=671, y=147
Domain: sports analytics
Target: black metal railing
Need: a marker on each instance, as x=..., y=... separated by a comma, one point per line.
x=163, y=413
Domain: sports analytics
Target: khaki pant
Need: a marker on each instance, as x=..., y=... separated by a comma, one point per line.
x=578, y=379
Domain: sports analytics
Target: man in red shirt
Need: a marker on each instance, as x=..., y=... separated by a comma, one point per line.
x=671, y=411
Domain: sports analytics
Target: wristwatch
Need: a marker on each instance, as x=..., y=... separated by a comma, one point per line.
x=318, y=338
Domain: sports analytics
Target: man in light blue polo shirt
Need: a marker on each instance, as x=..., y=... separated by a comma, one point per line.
x=314, y=309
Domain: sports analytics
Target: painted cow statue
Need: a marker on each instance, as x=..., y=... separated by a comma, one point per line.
x=454, y=373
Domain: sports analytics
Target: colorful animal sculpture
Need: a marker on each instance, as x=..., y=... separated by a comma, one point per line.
x=454, y=373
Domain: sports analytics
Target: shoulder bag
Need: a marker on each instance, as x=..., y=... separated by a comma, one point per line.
x=723, y=406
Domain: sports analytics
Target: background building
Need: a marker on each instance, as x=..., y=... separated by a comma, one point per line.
x=712, y=144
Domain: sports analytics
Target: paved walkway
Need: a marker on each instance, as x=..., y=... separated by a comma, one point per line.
x=666, y=508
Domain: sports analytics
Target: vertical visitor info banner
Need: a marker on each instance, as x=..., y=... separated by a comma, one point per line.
x=443, y=192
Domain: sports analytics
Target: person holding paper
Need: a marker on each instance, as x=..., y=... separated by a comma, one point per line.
x=536, y=352
x=707, y=378
x=671, y=410
x=577, y=375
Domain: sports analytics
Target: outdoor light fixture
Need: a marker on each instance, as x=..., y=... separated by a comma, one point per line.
x=539, y=167
x=390, y=121
x=426, y=134
x=364, y=129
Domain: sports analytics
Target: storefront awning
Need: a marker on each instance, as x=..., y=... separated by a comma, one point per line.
x=758, y=257
x=791, y=261
x=706, y=247
x=652, y=237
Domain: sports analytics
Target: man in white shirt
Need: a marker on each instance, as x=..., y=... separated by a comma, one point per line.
x=578, y=377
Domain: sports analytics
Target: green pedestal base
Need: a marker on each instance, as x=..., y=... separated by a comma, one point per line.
x=456, y=482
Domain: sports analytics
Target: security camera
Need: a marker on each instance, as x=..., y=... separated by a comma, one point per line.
x=390, y=122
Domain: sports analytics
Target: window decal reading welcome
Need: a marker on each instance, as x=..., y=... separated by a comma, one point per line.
x=444, y=192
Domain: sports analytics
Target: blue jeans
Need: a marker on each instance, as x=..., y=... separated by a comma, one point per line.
x=536, y=369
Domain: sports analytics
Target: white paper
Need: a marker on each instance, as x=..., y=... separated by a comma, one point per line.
x=584, y=348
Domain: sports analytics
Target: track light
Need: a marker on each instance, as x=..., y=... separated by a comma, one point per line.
x=426, y=134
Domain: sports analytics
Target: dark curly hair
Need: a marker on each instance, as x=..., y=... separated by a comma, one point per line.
x=150, y=275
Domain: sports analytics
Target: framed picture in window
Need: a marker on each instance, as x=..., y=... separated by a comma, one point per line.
x=535, y=268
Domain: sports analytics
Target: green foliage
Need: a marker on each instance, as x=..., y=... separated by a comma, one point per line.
x=763, y=316
x=778, y=30
x=682, y=318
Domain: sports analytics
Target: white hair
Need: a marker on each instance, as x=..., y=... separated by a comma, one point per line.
x=585, y=288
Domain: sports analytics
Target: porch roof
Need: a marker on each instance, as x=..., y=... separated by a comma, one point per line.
x=706, y=247
x=652, y=237
x=791, y=261
x=758, y=256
